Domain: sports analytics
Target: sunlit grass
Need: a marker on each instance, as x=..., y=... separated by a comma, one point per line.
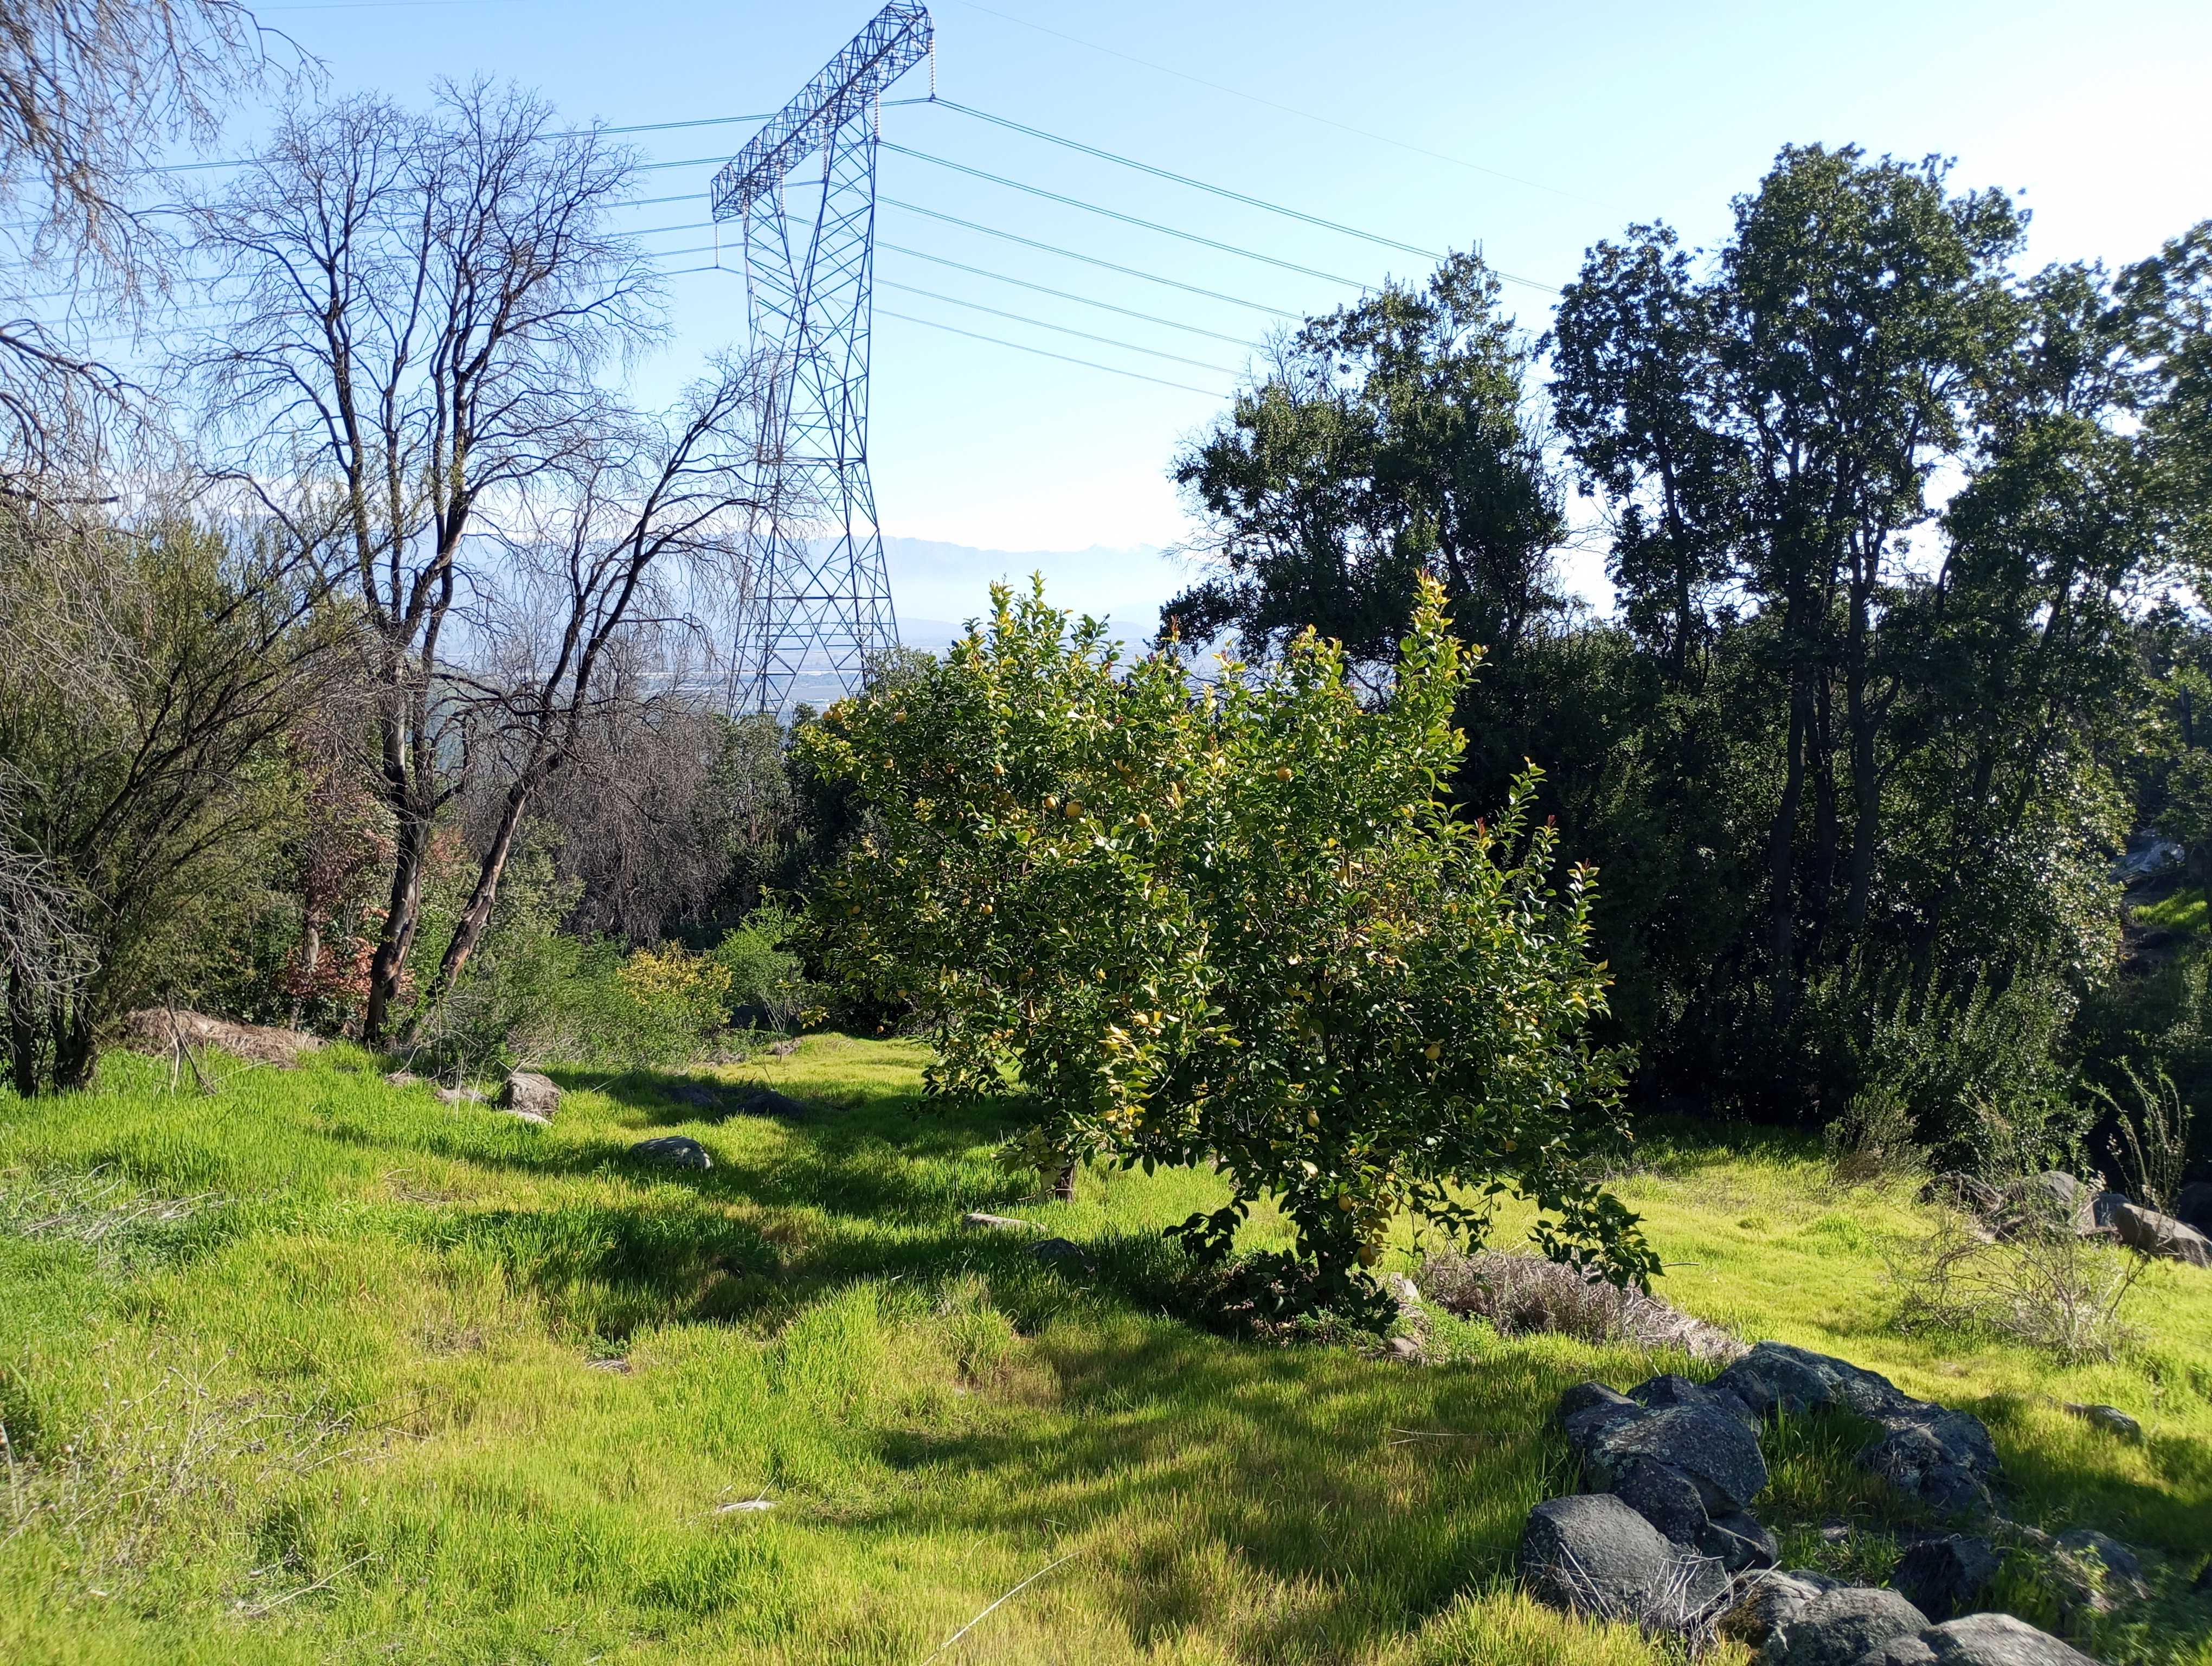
x=321, y=1369
x=2185, y=911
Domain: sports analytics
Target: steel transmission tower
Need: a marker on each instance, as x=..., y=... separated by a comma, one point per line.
x=820, y=600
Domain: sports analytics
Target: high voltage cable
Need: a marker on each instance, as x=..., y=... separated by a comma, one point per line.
x=1064, y=358
x=1063, y=294
x=566, y=133
x=1023, y=284
x=1019, y=318
x=1183, y=179
x=1089, y=259
x=1290, y=109
x=1126, y=219
x=1218, y=191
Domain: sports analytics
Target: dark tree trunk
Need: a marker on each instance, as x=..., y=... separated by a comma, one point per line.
x=24, y=1030
x=1827, y=823
x=402, y=915
x=469, y=932
x=1785, y=845
x=1862, y=719
x=77, y=1055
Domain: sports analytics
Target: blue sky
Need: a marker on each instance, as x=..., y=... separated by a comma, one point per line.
x=1530, y=130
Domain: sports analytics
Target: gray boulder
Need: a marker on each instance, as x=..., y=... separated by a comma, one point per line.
x=1592, y=1554
x=2111, y=1418
x=1739, y=1543
x=2193, y=1205
x=2094, y=1574
x=1664, y=1497
x=2053, y=1189
x=1767, y=1603
x=2119, y=1562
x=1839, y=1626
x=1587, y=1397
x=1978, y=1639
x=1775, y=1377
x=1962, y=1191
x=2154, y=1234
x=1717, y=1452
x=1939, y=1456
x=1948, y=1577
x=526, y=1089
x=1061, y=1252
x=1660, y=1393
x=1943, y=1457
x=978, y=1221
x=673, y=1151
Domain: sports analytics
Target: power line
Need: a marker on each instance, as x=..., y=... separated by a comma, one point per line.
x=1185, y=179
x=1019, y=318
x=1223, y=190
x=566, y=133
x=999, y=341
x=1063, y=294
x=1126, y=219
x=1088, y=259
x=1291, y=109
x=1085, y=300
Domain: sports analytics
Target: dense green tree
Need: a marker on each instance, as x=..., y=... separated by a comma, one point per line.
x=1389, y=440
x=1237, y=922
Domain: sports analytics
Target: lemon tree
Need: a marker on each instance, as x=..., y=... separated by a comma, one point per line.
x=1234, y=920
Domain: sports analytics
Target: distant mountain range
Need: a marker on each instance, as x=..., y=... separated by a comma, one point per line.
x=937, y=586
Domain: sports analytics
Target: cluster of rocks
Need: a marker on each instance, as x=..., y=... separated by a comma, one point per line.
x=1664, y=1535
x=2057, y=1200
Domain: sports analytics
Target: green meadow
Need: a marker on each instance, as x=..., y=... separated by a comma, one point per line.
x=311, y=1368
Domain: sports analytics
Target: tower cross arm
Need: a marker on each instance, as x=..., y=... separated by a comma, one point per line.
x=895, y=40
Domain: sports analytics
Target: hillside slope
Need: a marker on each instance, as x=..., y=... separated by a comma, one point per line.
x=320, y=1369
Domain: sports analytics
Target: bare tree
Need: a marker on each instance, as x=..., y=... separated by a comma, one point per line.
x=89, y=91
x=421, y=308
x=46, y=955
x=652, y=519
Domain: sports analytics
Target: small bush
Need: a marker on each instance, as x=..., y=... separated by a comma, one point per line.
x=684, y=993
x=2151, y=1146
x=1873, y=1140
x=1928, y=1063
x=765, y=977
x=2039, y=1281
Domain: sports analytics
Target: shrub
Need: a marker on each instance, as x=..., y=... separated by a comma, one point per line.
x=1964, y=1070
x=535, y=994
x=1873, y=1140
x=2151, y=1146
x=764, y=975
x=2038, y=1281
x=1233, y=921
x=684, y=993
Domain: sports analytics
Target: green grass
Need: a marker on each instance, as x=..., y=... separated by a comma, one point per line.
x=2183, y=912
x=317, y=1369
